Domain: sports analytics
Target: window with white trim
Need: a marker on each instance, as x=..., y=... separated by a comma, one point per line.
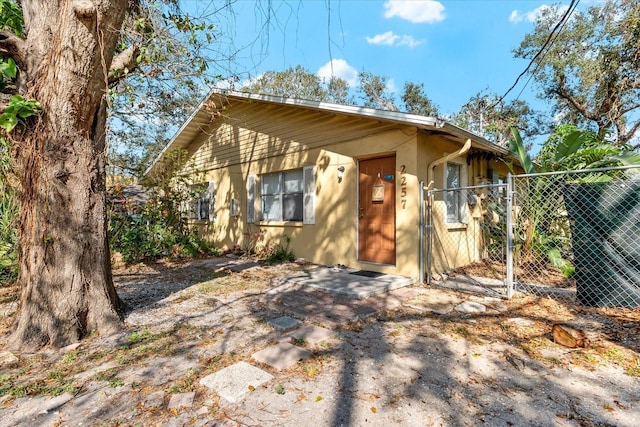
x=282, y=196
x=453, y=178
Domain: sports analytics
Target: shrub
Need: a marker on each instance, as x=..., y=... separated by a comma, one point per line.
x=8, y=239
x=153, y=226
x=8, y=215
x=280, y=252
x=149, y=232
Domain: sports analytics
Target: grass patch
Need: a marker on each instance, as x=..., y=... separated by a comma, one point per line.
x=55, y=384
x=614, y=355
x=138, y=336
x=633, y=371
x=462, y=331
x=300, y=342
x=186, y=384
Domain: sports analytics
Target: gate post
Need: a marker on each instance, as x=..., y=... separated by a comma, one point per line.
x=509, y=218
x=429, y=229
x=421, y=238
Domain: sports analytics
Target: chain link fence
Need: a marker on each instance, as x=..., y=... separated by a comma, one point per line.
x=577, y=236
x=467, y=240
x=572, y=235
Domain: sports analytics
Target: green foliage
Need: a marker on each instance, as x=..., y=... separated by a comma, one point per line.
x=139, y=336
x=16, y=111
x=8, y=72
x=570, y=148
x=11, y=17
x=144, y=233
x=280, y=253
x=156, y=228
x=416, y=100
x=374, y=91
x=55, y=384
x=488, y=115
x=300, y=83
x=8, y=238
x=517, y=147
x=18, y=108
x=543, y=227
x=590, y=71
x=170, y=74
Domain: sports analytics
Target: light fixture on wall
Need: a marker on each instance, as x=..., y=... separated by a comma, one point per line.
x=340, y=173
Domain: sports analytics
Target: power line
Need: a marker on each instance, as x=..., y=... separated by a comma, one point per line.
x=550, y=39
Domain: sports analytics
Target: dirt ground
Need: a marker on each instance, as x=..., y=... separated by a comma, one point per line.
x=402, y=358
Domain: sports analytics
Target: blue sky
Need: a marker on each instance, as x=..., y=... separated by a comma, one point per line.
x=455, y=48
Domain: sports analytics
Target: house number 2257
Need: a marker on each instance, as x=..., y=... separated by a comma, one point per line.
x=403, y=186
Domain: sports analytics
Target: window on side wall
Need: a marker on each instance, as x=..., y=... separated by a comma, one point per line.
x=453, y=199
x=496, y=178
x=282, y=196
x=203, y=202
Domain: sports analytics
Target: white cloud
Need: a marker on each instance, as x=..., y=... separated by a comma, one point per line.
x=532, y=15
x=339, y=68
x=416, y=11
x=387, y=38
x=391, y=39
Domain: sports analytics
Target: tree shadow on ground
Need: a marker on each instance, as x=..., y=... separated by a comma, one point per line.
x=413, y=367
x=150, y=283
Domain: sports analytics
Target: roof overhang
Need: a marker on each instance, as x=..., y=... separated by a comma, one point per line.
x=219, y=98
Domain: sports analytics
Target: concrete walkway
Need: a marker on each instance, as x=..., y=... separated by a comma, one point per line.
x=357, y=284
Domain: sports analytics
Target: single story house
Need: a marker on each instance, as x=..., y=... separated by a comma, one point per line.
x=343, y=183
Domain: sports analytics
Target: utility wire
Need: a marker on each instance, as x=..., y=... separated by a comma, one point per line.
x=550, y=39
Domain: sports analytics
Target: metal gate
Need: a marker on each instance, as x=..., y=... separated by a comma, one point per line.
x=466, y=238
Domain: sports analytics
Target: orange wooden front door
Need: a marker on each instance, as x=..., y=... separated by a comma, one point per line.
x=377, y=210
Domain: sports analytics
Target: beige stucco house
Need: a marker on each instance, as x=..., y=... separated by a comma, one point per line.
x=342, y=182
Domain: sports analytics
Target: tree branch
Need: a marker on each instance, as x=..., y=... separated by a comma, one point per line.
x=13, y=46
x=563, y=92
x=629, y=108
x=125, y=60
x=630, y=133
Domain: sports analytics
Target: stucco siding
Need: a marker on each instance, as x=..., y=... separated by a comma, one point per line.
x=333, y=238
x=239, y=140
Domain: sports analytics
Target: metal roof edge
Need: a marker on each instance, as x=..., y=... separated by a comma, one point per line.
x=340, y=108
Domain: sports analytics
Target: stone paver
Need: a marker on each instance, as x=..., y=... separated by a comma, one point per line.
x=281, y=356
x=437, y=302
x=519, y=321
x=470, y=307
x=312, y=334
x=284, y=323
x=181, y=400
x=234, y=381
x=8, y=359
x=240, y=266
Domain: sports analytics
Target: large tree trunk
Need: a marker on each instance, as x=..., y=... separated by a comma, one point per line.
x=65, y=271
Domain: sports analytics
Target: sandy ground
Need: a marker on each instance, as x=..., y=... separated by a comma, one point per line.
x=416, y=361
